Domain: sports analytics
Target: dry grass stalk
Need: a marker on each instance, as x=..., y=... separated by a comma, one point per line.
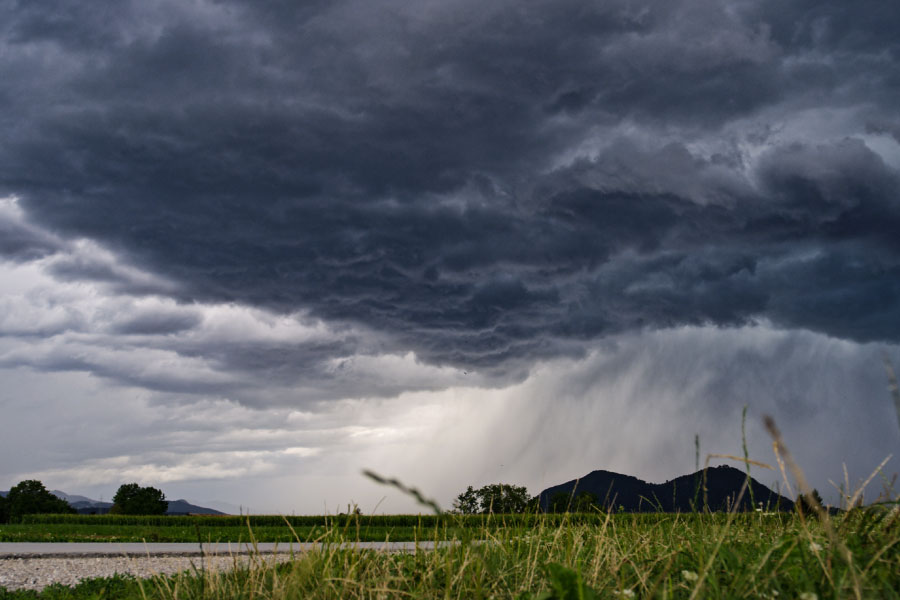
x=825, y=519
x=739, y=459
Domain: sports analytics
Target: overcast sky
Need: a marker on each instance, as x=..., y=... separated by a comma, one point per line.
x=250, y=248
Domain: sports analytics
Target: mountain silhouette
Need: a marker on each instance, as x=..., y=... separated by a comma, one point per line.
x=87, y=506
x=683, y=494
x=183, y=507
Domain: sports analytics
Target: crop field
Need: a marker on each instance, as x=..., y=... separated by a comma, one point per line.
x=190, y=530
x=264, y=528
x=149, y=533
x=744, y=555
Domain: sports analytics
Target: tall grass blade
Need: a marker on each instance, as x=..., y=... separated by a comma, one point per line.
x=410, y=491
x=781, y=450
x=746, y=453
x=893, y=387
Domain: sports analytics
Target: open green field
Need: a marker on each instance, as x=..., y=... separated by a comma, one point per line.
x=265, y=528
x=852, y=555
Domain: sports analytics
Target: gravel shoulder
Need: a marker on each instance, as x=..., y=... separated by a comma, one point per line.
x=33, y=566
x=37, y=573
x=115, y=549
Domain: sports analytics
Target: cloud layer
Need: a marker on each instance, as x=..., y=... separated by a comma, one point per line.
x=478, y=186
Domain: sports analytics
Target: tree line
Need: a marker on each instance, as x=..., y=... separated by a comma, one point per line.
x=31, y=497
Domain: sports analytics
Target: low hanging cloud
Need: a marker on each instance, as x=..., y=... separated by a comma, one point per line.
x=198, y=350
x=632, y=406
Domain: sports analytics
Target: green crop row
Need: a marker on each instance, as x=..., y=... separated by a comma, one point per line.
x=449, y=520
x=381, y=521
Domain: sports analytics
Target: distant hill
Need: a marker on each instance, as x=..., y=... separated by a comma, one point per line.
x=183, y=507
x=88, y=506
x=83, y=504
x=682, y=494
x=71, y=498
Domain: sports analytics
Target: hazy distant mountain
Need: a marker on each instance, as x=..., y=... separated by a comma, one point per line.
x=73, y=498
x=89, y=506
x=682, y=494
x=183, y=507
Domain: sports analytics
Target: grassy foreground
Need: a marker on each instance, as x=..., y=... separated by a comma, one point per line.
x=754, y=555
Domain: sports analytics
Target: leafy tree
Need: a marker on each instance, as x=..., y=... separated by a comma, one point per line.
x=4, y=510
x=493, y=498
x=467, y=503
x=807, y=506
x=504, y=498
x=31, y=497
x=132, y=499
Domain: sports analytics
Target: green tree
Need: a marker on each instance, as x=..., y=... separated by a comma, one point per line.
x=807, y=506
x=31, y=497
x=504, y=498
x=4, y=510
x=132, y=499
x=493, y=498
x=467, y=503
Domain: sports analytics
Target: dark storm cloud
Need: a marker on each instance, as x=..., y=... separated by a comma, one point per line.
x=85, y=268
x=892, y=129
x=126, y=369
x=479, y=184
x=869, y=26
x=157, y=323
x=20, y=242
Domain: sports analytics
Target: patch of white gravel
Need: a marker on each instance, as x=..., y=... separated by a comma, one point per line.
x=37, y=573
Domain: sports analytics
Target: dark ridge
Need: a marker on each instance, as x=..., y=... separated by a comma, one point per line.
x=683, y=494
x=183, y=507
x=612, y=489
